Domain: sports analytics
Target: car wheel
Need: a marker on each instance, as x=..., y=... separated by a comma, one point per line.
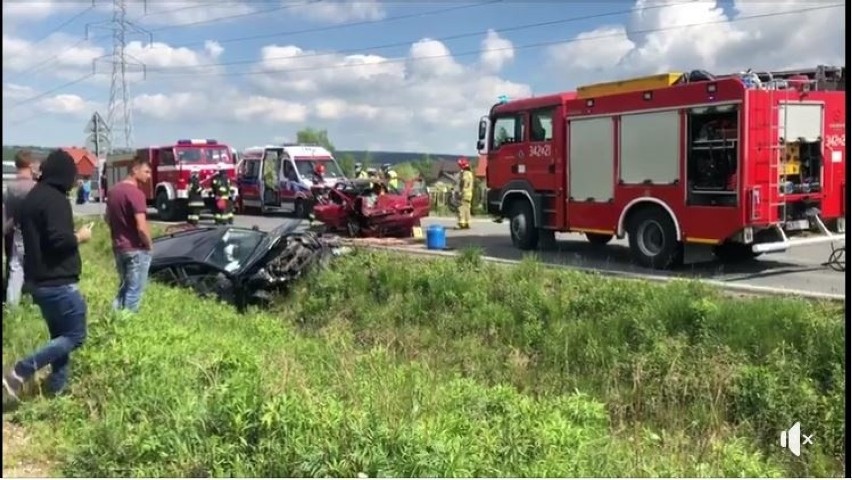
x=653, y=239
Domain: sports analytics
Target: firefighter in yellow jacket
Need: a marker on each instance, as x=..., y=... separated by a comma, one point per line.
x=223, y=212
x=466, y=192
x=360, y=173
x=195, y=200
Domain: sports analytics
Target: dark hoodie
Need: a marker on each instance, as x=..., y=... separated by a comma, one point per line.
x=47, y=225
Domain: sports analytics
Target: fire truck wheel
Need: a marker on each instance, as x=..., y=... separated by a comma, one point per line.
x=653, y=239
x=598, y=238
x=522, y=227
x=166, y=209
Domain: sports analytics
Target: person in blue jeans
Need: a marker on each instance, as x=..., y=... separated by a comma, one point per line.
x=15, y=192
x=126, y=214
x=52, y=267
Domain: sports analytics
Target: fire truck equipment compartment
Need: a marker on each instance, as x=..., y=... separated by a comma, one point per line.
x=650, y=82
x=712, y=157
x=650, y=163
x=591, y=169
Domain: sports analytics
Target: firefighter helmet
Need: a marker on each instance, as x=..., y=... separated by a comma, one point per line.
x=464, y=164
x=319, y=169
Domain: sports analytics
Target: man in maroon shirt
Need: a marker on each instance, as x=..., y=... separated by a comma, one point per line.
x=126, y=214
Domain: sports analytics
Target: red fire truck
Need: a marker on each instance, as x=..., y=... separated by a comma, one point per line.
x=746, y=163
x=172, y=165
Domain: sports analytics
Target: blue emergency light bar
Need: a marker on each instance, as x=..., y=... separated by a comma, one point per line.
x=209, y=141
x=503, y=99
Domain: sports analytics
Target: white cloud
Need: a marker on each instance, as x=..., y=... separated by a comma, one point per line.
x=188, y=12
x=15, y=92
x=30, y=10
x=496, y=52
x=427, y=99
x=59, y=55
x=426, y=91
x=66, y=104
x=341, y=11
x=270, y=110
x=652, y=42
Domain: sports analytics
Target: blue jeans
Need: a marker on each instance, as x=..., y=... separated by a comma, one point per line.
x=64, y=311
x=132, y=269
x=15, y=270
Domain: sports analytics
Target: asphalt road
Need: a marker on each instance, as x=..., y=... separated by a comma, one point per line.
x=797, y=269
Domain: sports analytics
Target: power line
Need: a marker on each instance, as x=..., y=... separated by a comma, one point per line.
x=163, y=72
x=231, y=17
x=56, y=29
x=473, y=52
x=120, y=111
x=407, y=43
x=342, y=25
x=52, y=90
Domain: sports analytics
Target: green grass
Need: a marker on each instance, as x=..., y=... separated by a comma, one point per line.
x=480, y=370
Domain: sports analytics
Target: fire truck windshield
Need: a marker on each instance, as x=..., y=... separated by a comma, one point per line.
x=306, y=168
x=203, y=155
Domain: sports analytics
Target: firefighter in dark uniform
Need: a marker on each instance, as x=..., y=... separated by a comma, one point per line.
x=223, y=212
x=195, y=200
x=319, y=174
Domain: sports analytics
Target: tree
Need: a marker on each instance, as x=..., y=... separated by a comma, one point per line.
x=317, y=137
x=347, y=163
x=423, y=166
x=406, y=171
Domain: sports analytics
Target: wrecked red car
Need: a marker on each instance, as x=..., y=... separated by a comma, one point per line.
x=367, y=208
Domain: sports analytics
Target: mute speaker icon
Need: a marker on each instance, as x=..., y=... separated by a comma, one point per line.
x=793, y=439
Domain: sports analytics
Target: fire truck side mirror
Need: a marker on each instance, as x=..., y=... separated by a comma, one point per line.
x=483, y=135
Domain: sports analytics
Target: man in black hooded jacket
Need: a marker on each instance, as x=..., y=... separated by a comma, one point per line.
x=52, y=271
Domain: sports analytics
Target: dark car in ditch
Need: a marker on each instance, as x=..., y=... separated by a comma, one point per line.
x=241, y=266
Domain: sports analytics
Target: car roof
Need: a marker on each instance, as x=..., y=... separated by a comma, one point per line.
x=194, y=244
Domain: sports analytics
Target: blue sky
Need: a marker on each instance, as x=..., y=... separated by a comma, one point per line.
x=255, y=91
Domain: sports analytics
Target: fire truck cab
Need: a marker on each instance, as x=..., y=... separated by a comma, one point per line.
x=280, y=178
x=747, y=163
x=171, y=168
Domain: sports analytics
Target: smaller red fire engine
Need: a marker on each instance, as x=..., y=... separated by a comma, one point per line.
x=171, y=166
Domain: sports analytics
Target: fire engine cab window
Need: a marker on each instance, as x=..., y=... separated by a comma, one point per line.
x=167, y=157
x=713, y=159
x=289, y=171
x=508, y=130
x=541, y=129
x=189, y=155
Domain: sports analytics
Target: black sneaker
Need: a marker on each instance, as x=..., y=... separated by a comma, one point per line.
x=12, y=384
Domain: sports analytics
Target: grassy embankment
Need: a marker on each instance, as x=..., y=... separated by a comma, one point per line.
x=479, y=370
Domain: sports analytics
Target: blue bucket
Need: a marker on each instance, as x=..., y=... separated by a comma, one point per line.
x=436, y=238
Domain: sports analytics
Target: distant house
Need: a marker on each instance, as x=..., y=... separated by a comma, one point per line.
x=87, y=164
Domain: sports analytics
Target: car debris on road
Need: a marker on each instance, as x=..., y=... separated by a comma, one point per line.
x=241, y=266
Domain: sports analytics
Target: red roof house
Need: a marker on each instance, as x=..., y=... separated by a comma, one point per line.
x=87, y=164
x=481, y=165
